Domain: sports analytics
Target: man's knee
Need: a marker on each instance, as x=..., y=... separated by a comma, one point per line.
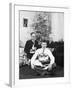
x=54, y=65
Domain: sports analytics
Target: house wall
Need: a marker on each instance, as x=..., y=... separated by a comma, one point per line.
x=57, y=26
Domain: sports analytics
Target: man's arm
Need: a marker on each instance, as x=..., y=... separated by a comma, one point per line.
x=52, y=59
x=26, y=49
x=33, y=59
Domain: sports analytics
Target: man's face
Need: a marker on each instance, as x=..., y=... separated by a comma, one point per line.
x=33, y=36
x=44, y=44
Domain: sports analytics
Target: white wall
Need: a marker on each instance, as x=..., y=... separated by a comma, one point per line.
x=57, y=26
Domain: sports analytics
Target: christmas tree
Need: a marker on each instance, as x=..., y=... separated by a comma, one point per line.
x=42, y=23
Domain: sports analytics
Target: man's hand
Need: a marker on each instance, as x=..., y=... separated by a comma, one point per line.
x=49, y=67
x=32, y=66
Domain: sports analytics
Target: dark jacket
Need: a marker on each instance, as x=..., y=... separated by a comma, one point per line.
x=28, y=47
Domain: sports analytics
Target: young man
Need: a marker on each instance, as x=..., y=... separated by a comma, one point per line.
x=31, y=46
x=43, y=61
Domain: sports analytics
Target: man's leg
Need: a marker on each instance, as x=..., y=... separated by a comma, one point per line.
x=52, y=69
x=38, y=67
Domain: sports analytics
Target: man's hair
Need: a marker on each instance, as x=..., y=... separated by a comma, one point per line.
x=38, y=32
x=44, y=41
x=32, y=33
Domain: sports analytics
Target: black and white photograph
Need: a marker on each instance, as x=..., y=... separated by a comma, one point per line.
x=41, y=44
x=36, y=44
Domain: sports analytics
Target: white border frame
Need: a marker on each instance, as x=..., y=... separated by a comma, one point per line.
x=14, y=45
